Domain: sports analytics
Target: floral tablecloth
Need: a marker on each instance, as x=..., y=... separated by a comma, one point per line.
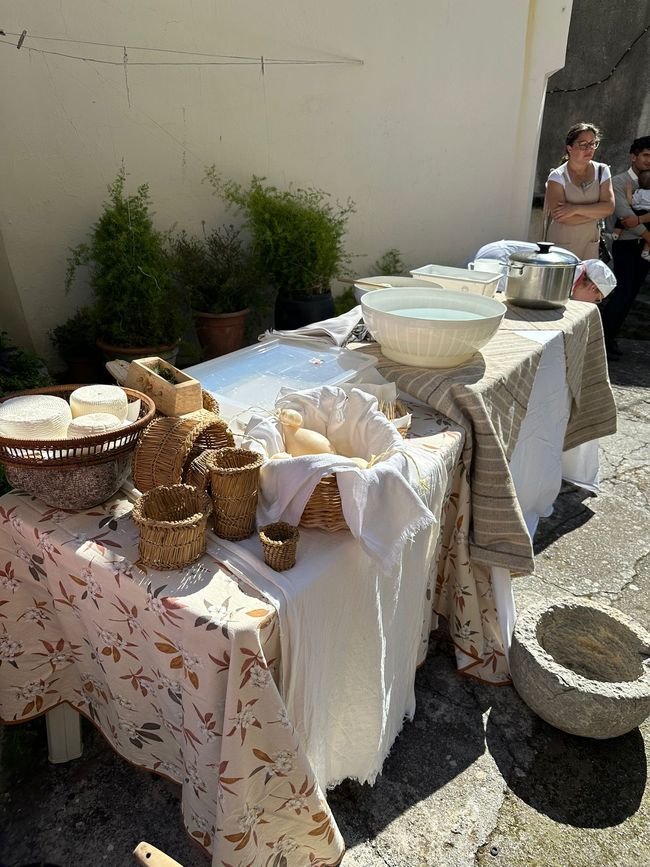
x=179, y=670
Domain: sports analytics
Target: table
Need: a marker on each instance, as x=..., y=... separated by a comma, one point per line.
x=485, y=533
x=192, y=674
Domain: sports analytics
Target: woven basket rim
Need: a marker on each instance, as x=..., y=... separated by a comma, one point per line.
x=252, y=465
x=276, y=525
x=190, y=490
x=82, y=442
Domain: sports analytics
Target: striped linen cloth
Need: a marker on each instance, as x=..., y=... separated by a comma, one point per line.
x=593, y=410
x=488, y=397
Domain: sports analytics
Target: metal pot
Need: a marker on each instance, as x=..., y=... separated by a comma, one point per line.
x=542, y=278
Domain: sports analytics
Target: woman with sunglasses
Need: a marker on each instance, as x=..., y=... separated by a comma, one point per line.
x=578, y=194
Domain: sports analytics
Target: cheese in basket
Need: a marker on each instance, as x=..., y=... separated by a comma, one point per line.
x=370, y=479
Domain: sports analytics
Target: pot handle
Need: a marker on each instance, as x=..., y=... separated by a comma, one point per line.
x=544, y=246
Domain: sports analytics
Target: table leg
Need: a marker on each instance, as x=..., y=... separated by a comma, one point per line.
x=63, y=733
x=504, y=601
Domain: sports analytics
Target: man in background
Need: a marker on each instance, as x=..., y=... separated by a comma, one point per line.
x=629, y=266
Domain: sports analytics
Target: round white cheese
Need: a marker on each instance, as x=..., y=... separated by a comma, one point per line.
x=99, y=398
x=93, y=423
x=35, y=417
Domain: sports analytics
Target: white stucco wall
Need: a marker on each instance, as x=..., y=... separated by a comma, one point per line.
x=434, y=136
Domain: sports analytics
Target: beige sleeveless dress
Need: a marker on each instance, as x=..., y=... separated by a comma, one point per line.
x=581, y=240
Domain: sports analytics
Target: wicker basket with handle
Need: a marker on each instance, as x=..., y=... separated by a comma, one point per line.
x=234, y=480
x=172, y=521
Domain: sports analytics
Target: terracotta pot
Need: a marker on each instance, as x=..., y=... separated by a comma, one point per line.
x=129, y=353
x=221, y=333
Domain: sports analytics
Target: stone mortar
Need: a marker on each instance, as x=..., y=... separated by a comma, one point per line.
x=582, y=667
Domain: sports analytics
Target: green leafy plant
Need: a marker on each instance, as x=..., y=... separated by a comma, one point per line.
x=389, y=263
x=137, y=300
x=297, y=235
x=19, y=368
x=76, y=337
x=345, y=301
x=219, y=272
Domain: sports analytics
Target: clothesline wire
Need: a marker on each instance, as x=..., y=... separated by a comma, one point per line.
x=224, y=59
x=609, y=75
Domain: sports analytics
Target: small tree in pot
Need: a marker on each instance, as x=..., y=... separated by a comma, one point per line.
x=222, y=280
x=297, y=237
x=137, y=304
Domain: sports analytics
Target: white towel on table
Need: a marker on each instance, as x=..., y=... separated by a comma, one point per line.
x=335, y=330
x=380, y=505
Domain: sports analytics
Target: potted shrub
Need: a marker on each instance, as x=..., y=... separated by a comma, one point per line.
x=76, y=342
x=297, y=236
x=220, y=276
x=137, y=304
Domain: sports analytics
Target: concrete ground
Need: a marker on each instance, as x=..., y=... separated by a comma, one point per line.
x=476, y=779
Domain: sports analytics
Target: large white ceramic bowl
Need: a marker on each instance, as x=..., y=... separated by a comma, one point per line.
x=430, y=327
x=369, y=284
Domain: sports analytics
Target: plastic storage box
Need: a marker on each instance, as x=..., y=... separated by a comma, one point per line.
x=252, y=377
x=461, y=279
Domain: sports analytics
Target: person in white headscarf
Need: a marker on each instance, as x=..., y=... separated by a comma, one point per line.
x=593, y=281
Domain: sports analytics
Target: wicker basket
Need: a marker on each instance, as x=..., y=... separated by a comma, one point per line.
x=234, y=479
x=168, y=445
x=323, y=510
x=279, y=542
x=215, y=434
x=210, y=402
x=79, y=473
x=172, y=520
x=197, y=473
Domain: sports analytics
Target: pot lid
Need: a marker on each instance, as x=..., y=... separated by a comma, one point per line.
x=546, y=254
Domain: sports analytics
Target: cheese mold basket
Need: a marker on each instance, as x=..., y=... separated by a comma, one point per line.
x=76, y=473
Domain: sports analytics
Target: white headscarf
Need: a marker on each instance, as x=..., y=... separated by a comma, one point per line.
x=598, y=272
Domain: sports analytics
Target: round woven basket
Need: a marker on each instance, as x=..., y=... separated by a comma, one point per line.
x=172, y=521
x=234, y=480
x=323, y=510
x=198, y=471
x=167, y=446
x=279, y=542
x=79, y=473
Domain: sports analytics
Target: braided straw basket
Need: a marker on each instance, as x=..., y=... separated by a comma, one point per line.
x=167, y=446
x=197, y=473
x=78, y=473
x=279, y=542
x=234, y=480
x=172, y=520
x=214, y=435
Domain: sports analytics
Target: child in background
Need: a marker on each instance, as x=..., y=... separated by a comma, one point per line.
x=639, y=201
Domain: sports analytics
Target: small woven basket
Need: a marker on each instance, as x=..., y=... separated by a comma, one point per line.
x=172, y=520
x=215, y=434
x=165, y=449
x=197, y=473
x=323, y=510
x=279, y=542
x=234, y=480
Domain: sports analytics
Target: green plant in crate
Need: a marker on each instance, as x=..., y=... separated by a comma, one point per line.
x=297, y=235
x=131, y=275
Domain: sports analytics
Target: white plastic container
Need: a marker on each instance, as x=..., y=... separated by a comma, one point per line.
x=461, y=279
x=251, y=378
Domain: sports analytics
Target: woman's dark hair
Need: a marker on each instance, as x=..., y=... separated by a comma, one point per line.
x=575, y=131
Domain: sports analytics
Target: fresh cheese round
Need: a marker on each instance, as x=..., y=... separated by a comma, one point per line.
x=90, y=399
x=35, y=417
x=93, y=423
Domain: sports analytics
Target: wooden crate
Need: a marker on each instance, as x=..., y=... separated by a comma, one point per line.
x=171, y=399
